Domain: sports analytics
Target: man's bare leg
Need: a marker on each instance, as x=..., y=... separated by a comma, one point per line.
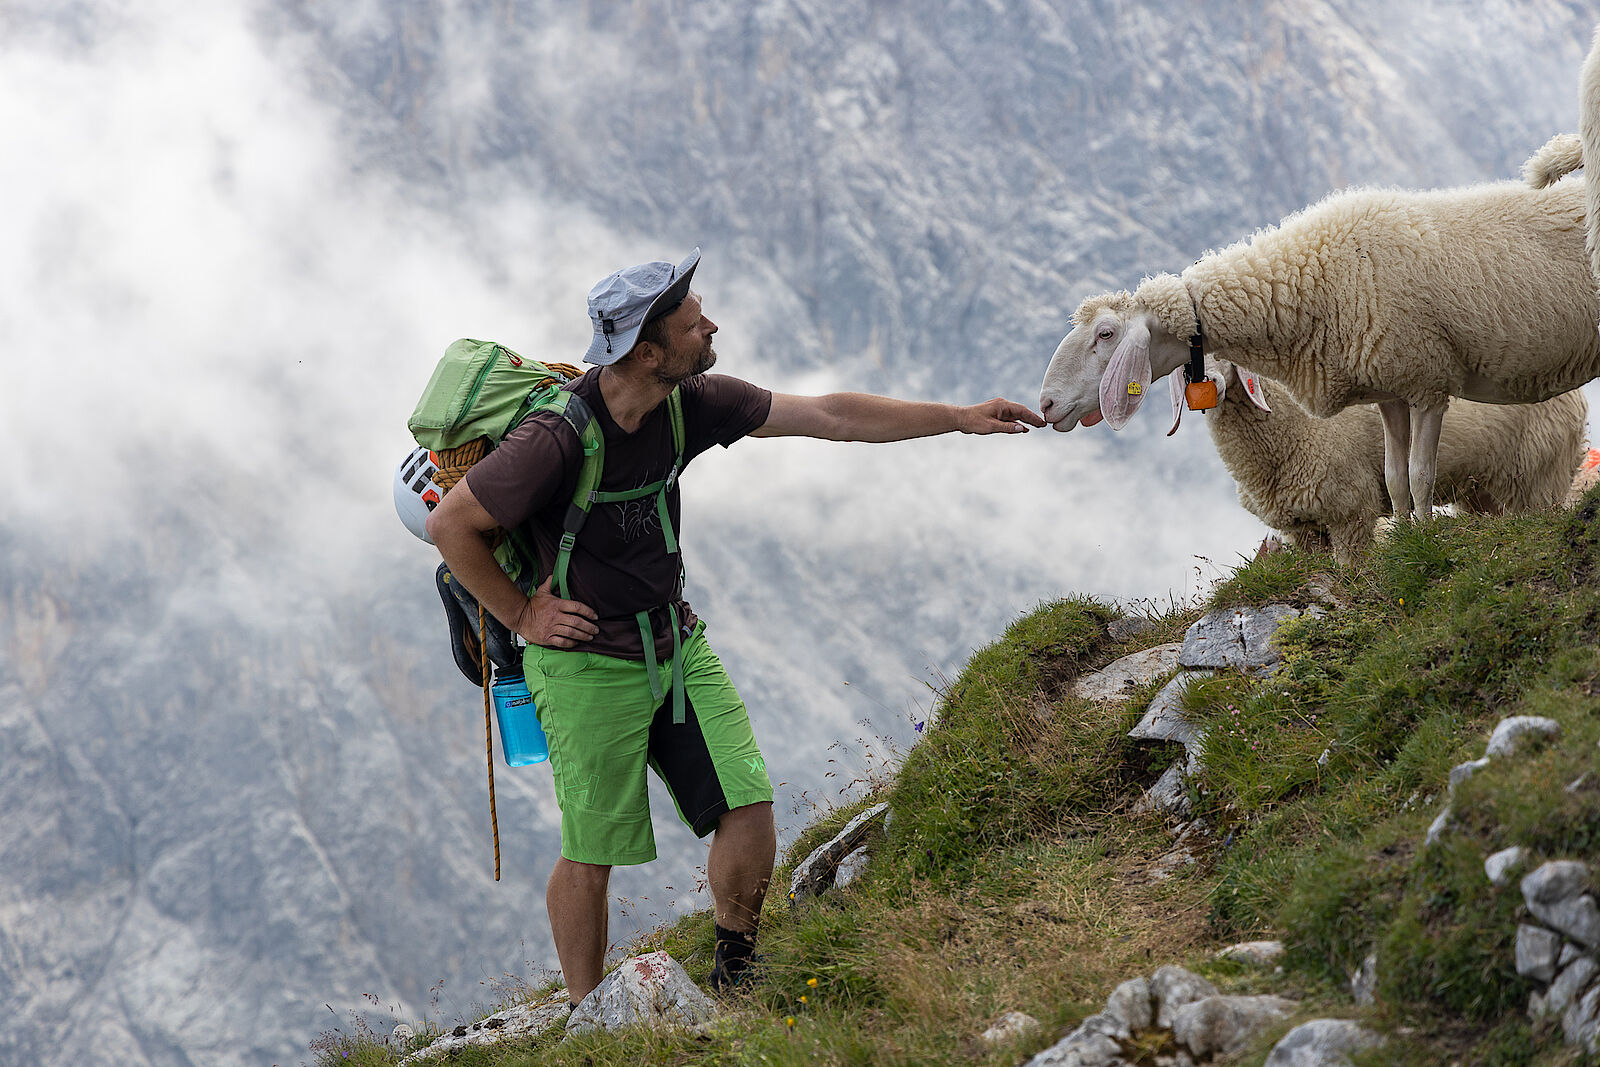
x=739, y=870
x=740, y=866
x=580, y=911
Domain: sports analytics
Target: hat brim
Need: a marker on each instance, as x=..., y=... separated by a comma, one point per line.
x=622, y=342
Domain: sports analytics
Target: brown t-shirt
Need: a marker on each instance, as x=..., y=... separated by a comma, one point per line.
x=620, y=564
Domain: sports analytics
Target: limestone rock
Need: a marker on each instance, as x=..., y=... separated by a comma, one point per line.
x=1364, y=983
x=1569, y=985
x=1437, y=828
x=1168, y=794
x=1081, y=1048
x=651, y=990
x=819, y=871
x=1131, y=1003
x=1222, y=1025
x=1462, y=771
x=851, y=867
x=1512, y=733
x=520, y=1021
x=1238, y=638
x=1116, y=679
x=1569, y=952
x=1256, y=953
x=1164, y=719
x=1011, y=1026
x=1580, y=1024
x=1322, y=1043
x=1578, y=918
x=1500, y=866
x=1538, y=951
x=1554, y=881
x=1171, y=987
x=1122, y=629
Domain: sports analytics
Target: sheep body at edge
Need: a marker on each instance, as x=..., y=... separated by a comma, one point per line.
x=1323, y=477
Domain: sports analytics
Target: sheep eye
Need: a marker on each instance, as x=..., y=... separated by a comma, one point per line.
x=1105, y=333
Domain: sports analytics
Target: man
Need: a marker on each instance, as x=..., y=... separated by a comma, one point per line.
x=601, y=660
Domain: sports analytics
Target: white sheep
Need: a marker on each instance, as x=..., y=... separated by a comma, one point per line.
x=1322, y=481
x=1404, y=298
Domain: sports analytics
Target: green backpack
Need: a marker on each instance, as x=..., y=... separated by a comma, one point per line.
x=479, y=392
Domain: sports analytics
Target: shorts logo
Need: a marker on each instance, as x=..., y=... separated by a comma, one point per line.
x=757, y=764
x=584, y=796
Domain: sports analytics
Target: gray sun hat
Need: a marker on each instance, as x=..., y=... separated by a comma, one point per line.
x=621, y=303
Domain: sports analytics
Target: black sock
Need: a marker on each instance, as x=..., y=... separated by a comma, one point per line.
x=733, y=956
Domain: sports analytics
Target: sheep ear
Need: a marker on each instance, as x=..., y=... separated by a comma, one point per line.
x=1255, y=389
x=1175, y=387
x=1126, y=377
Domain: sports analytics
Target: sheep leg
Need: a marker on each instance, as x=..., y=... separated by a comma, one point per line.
x=1425, y=426
x=1397, y=454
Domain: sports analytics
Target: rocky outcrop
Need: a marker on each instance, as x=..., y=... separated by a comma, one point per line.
x=1202, y=1022
x=820, y=871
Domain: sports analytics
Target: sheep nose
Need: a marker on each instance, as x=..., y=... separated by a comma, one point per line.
x=1045, y=404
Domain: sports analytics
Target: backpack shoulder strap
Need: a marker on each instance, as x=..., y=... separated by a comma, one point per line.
x=575, y=411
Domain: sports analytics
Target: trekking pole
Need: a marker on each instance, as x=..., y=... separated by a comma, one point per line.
x=488, y=736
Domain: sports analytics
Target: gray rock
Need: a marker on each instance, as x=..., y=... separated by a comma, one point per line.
x=851, y=867
x=1538, y=952
x=1580, y=1023
x=1105, y=1024
x=1171, y=987
x=1011, y=1026
x=1238, y=638
x=1364, y=983
x=521, y=1021
x=1168, y=794
x=1122, y=629
x=1577, y=917
x=1131, y=1002
x=1554, y=881
x=1081, y=1049
x=1117, y=678
x=1322, y=1043
x=1437, y=828
x=1512, y=733
x=1164, y=719
x=1569, y=985
x=1500, y=866
x=648, y=990
x=1569, y=952
x=1462, y=771
x=819, y=871
x=1222, y=1025
x=1256, y=953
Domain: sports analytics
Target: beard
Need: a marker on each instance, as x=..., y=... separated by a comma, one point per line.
x=691, y=364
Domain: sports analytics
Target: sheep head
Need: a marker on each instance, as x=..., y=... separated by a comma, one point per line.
x=1118, y=345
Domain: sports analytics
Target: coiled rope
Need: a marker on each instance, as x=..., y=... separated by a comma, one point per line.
x=488, y=735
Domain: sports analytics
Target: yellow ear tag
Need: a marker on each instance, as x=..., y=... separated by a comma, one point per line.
x=1135, y=389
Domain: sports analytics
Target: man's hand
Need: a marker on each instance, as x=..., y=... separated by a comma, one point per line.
x=548, y=620
x=997, y=416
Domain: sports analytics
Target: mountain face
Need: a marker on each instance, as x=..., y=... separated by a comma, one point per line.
x=242, y=782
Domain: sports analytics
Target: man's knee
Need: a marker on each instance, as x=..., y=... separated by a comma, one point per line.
x=749, y=816
x=585, y=877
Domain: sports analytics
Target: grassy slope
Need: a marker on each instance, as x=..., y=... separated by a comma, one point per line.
x=1015, y=876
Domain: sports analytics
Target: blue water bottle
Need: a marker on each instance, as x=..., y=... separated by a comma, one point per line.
x=521, y=737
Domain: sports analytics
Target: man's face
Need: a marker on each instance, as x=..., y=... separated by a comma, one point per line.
x=688, y=343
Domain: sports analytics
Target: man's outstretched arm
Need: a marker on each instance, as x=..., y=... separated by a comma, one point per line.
x=865, y=417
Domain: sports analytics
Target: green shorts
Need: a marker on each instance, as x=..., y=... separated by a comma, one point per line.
x=604, y=728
